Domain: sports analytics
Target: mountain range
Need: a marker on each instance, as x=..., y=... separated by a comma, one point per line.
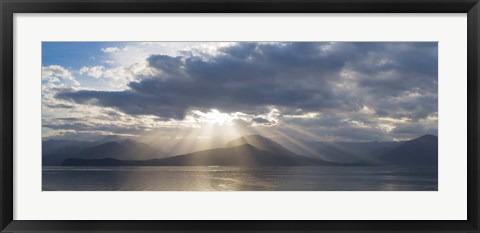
x=56, y=151
x=422, y=151
x=249, y=150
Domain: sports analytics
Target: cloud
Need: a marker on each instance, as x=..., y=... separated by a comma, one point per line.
x=110, y=49
x=133, y=52
x=349, y=86
x=251, y=75
x=119, y=76
x=260, y=120
x=93, y=71
x=57, y=74
x=92, y=118
x=231, y=82
x=59, y=106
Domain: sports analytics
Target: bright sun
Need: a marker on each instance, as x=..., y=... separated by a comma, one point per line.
x=215, y=117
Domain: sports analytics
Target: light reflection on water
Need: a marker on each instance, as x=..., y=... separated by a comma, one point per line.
x=239, y=179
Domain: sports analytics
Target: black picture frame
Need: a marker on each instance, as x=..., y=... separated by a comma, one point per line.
x=9, y=7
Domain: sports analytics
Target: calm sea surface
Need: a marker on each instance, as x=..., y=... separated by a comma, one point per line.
x=236, y=178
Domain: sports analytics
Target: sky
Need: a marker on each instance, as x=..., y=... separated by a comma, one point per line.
x=174, y=91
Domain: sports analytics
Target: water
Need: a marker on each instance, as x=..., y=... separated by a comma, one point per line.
x=242, y=179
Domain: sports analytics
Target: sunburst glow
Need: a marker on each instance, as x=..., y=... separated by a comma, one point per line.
x=214, y=117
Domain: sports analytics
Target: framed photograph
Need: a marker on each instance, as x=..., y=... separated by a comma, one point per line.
x=239, y=116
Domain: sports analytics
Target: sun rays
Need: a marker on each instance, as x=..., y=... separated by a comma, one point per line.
x=214, y=129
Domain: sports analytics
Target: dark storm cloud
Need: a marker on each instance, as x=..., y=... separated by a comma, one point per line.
x=68, y=118
x=415, y=108
x=261, y=120
x=128, y=101
x=59, y=106
x=393, y=79
x=412, y=58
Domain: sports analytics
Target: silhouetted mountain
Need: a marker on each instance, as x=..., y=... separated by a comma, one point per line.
x=350, y=152
x=243, y=155
x=123, y=150
x=261, y=143
x=55, y=154
x=112, y=138
x=52, y=145
x=422, y=151
x=251, y=150
x=55, y=151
